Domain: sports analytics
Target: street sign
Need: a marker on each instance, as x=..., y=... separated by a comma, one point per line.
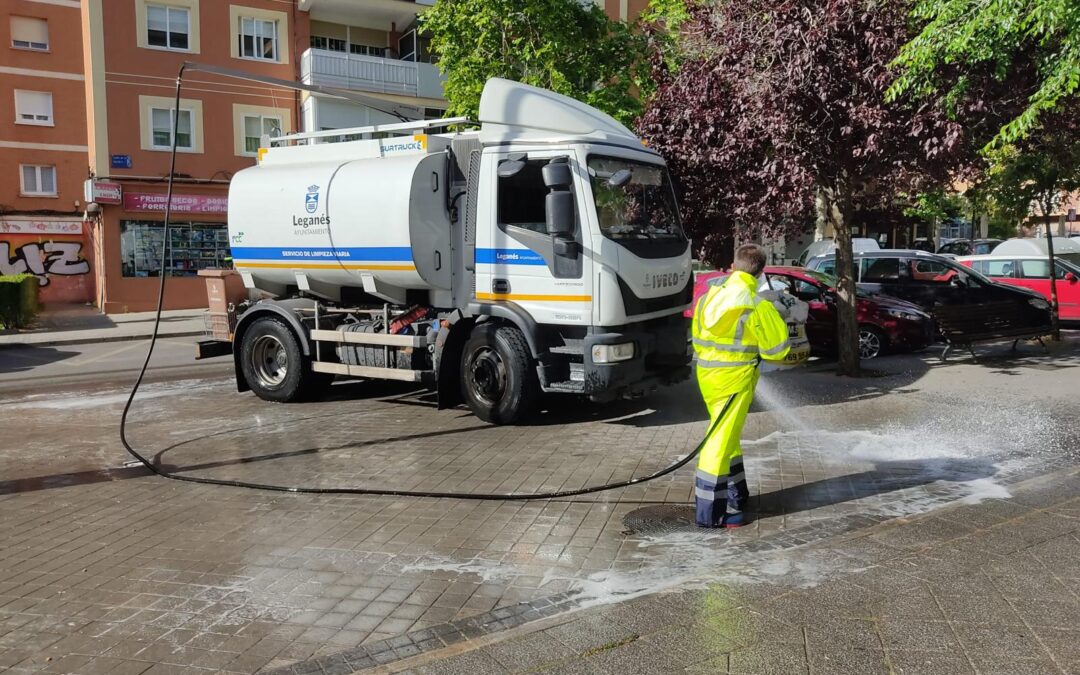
x=120, y=161
x=1072, y=216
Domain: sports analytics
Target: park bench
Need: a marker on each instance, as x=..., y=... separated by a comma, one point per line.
x=964, y=325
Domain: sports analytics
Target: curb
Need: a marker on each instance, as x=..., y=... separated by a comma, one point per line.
x=93, y=340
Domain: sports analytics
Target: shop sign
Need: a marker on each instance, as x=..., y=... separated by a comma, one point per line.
x=155, y=201
x=120, y=161
x=30, y=226
x=102, y=191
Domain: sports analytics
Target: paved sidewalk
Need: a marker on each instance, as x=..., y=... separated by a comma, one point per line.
x=105, y=568
x=987, y=588
x=81, y=324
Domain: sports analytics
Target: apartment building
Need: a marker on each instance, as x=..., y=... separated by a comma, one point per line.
x=377, y=51
x=43, y=148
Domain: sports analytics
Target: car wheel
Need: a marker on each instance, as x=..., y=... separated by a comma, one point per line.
x=871, y=342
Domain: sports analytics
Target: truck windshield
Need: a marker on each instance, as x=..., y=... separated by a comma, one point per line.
x=634, y=200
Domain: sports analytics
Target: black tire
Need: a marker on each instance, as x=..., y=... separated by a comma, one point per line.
x=872, y=342
x=498, y=377
x=274, y=366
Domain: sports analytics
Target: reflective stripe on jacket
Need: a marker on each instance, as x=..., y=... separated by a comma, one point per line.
x=733, y=328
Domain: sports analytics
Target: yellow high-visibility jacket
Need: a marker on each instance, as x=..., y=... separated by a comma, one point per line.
x=733, y=329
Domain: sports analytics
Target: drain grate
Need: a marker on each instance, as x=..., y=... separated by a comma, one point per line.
x=661, y=519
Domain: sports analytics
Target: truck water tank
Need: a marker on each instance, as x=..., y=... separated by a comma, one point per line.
x=337, y=221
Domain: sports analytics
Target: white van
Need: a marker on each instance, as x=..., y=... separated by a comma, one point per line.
x=828, y=246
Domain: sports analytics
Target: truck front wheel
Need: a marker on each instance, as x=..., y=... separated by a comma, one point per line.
x=273, y=364
x=498, y=378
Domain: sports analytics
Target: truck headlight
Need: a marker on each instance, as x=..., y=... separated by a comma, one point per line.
x=613, y=353
x=1039, y=303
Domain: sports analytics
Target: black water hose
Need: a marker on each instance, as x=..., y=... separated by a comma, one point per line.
x=511, y=496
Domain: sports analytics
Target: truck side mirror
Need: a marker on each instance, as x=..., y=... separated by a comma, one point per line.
x=559, y=209
x=557, y=175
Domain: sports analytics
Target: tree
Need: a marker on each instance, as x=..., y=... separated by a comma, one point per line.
x=962, y=40
x=778, y=106
x=567, y=46
x=1037, y=171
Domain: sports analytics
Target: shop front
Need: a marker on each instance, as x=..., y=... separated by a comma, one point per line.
x=132, y=233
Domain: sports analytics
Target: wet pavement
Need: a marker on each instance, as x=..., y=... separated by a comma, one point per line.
x=111, y=569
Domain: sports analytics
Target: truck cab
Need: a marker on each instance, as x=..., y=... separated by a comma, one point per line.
x=540, y=254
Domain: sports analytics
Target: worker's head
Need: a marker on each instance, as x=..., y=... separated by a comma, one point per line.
x=749, y=258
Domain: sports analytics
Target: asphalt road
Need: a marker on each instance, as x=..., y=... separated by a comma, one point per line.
x=25, y=367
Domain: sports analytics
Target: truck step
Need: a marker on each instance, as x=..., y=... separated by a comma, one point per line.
x=368, y=371
x=566, y=387
x=572, y=347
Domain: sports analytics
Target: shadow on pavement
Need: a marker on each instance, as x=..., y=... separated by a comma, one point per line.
x=885, y=477
x=19, y=358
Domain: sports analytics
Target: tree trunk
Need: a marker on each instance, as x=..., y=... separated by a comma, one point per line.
x=1056, y=335
x=847, y=323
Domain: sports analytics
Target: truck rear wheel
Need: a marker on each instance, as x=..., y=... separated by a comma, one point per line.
x=498, y=379
x=273, y=364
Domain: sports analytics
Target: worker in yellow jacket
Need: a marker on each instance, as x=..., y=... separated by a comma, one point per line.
x=733, y=331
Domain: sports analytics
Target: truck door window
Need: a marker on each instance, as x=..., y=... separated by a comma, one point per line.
x=521, y=198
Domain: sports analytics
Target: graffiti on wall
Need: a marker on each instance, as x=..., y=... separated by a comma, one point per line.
x=51, y=258
x=53, y=250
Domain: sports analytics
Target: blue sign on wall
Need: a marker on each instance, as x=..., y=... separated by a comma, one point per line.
x=120, y=161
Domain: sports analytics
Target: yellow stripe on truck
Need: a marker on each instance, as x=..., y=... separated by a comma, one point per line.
x=329, y=266
x=534, y=298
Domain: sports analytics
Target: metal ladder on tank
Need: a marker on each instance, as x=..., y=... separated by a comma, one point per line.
x=395, y=129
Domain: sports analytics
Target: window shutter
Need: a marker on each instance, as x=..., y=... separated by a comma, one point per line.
x=34, y=32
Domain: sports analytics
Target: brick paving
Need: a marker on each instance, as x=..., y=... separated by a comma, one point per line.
x=986, y=588
x=109, y=569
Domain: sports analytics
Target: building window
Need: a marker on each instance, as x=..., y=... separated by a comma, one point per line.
x=192, y=247
x=327, y=43
x=38, y=180
x=33, y=107
x=28, y=33
x=258, y=39
x=161, y=127
x=254, y=128
x=168, y=27
x=367, y=50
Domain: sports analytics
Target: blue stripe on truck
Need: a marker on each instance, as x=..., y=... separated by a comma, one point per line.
x=384, y=253
x=508, y=256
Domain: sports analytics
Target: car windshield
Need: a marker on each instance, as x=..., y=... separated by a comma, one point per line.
x=639, y=205
x=1071, y=258
x=831, y=281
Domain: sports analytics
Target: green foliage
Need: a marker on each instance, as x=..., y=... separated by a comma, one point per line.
x=566, y=46
x=935, y=206
x=18, y=299
x=964, y=42
x=1020, y=178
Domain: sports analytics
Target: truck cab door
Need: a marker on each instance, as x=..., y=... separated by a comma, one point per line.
x=517, y=260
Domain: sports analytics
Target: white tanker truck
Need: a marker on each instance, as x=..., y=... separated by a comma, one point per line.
x=542, y=253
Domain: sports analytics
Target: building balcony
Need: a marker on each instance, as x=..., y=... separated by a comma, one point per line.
x=342, y=70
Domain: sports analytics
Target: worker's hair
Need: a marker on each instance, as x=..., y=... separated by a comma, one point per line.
x=749, y=258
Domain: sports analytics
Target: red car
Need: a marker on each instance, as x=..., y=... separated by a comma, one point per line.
x=885, y=323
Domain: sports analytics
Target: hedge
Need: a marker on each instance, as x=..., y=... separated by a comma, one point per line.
x=18, y=299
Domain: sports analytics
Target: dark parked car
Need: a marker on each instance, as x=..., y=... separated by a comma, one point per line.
x=930, y=280
x=885, y=324
x=969, y=247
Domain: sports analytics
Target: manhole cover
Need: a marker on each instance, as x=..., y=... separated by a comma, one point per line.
x=655, y=521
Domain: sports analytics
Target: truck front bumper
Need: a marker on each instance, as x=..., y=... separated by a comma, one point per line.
x=661, y=357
